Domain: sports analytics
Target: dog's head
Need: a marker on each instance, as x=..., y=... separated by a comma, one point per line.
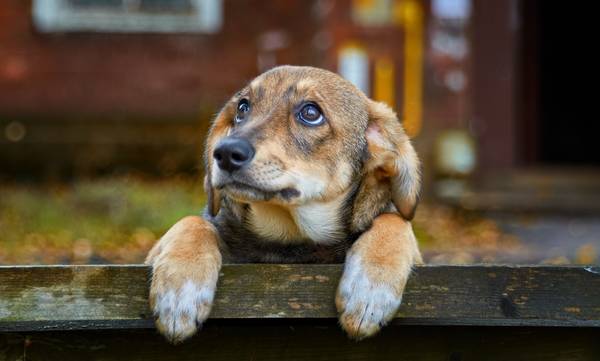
x=297, y=135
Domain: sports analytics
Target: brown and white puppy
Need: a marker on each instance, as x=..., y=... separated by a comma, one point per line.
x=301, y=167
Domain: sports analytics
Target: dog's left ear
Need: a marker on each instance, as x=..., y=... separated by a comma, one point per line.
x=219, y=129
x=393, y=158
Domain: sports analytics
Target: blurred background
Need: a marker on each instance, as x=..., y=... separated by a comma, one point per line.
x=104, y=105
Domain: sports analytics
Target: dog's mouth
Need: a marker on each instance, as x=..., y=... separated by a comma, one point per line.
x=247, y=192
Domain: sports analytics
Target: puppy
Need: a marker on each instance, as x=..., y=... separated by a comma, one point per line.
x=301, y=167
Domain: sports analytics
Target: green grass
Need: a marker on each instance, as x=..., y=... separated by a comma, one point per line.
x=114, y=220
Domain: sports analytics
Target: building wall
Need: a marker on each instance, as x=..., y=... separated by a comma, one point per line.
x=141, y=74
x=91, y=101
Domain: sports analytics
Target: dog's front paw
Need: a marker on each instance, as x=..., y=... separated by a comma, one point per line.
x=181, y=298
x=364, y=304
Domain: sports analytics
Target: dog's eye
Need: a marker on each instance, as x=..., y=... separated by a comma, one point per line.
x=242, y=110
x=310, y=114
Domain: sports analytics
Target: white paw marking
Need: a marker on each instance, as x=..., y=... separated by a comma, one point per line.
x=365, y=306
x=180, y=312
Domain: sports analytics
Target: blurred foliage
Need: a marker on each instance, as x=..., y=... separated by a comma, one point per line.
x=113, y=220
x=117, y=220
x=451, y=236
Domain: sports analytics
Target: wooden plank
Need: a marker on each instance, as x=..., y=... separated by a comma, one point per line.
x=96, y=297
x=314, y=340
x=546, y=190
x=522, y=201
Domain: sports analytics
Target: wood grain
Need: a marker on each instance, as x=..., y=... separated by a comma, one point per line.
x=115, y=297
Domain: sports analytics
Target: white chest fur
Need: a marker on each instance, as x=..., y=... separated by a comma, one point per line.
x=319, y=222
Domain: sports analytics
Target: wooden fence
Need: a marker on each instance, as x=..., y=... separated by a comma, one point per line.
x=286, y=312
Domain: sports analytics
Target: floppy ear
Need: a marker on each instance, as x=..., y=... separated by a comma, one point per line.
x=393, y=158
x=219, y=129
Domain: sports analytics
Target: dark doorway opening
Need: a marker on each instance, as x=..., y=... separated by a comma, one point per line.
x=560, y=99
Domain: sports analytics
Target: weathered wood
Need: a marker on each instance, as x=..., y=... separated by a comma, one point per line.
x=112, y=297
x=512, y=201
x=314, y=340
x=539, y=190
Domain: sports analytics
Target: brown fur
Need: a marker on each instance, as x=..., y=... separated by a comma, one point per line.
x=188, y=251
x=387, y=252
x=310, y=194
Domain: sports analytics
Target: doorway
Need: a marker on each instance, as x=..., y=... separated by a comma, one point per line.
x=560, y=101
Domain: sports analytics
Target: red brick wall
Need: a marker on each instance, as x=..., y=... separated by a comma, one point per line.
x=142, y=74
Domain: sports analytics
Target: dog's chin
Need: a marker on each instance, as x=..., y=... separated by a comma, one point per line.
x=247, y=193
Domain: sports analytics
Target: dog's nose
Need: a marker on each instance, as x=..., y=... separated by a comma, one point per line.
x=233, y=153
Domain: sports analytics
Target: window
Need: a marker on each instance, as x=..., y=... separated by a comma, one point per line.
x=153, y=16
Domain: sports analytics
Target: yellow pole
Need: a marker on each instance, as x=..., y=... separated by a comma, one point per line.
x=384, y=88
x=410, y=14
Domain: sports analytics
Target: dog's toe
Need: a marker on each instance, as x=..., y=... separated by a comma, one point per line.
x=180, y=312
x=181, y=296
x=364, y=306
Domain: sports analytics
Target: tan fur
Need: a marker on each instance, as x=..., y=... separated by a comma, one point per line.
x=189, y=251
x=386, y=253
x=389, y=250
x=393, y=157
x=317, y=222
x=305, y=186
x=274, y=223
x=271, y=118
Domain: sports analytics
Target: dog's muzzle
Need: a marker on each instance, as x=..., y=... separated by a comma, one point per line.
x=233, y=153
